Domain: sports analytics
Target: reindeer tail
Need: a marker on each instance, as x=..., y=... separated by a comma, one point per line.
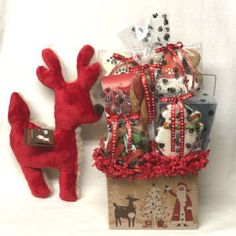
x=18, y=111
x=114, y=204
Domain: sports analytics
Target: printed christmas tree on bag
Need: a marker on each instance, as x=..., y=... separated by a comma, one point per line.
x=153, y=209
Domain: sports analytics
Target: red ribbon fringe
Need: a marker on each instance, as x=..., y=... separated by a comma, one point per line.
x=154, y=165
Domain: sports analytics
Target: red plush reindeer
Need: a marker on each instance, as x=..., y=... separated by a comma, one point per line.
x=73, y=107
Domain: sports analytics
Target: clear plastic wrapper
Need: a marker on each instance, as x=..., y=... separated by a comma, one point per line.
x=109, y=63
x=127, y=142
x=147, y=138
x=140, y=39
x=146, y=35
x=180, y=71
x=126, y=128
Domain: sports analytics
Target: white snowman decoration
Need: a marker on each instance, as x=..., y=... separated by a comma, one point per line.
x=192, y=131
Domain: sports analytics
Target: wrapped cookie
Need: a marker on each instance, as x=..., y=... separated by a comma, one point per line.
x=126, y=140
x=179, y=73
x=180, y=128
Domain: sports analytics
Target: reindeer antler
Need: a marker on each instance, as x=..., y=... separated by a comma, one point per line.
x=87, y=74
x=52, y=76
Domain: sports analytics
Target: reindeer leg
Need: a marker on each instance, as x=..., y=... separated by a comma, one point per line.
x=129, y=221
x=36, y=182
x=119, y=220
x=67, y=181
x=133, y=221
x=116, y=222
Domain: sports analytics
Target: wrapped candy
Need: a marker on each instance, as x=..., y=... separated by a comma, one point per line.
x=123, y=89
x=126, y=139
x=116, y=101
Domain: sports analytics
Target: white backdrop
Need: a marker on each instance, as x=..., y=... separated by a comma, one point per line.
x=28, y=26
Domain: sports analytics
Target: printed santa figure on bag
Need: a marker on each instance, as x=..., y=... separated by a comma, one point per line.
x=182, y=213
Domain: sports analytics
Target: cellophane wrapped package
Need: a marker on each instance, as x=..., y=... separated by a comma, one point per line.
x=151, y=130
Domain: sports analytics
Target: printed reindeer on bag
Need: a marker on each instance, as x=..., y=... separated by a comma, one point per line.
x=73, y=107
x=127, y=212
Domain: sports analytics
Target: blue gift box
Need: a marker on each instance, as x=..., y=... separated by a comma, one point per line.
x=206, y=104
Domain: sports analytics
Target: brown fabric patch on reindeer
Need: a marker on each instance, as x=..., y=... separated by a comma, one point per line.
x=39, y=137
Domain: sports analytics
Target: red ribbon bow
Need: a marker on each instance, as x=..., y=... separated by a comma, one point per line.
x=177, y=101
x=113, y=119
x=172, y=49
x=123, y=58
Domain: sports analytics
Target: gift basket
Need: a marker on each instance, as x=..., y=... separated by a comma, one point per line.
x=158, y=124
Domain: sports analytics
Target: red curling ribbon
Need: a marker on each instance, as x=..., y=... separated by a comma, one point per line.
x=154, y=165
x=176, y=101
x=149, y=95
x=113, y=119
x=172, y=49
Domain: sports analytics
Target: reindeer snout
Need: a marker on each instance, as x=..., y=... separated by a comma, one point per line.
x=99, y=109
